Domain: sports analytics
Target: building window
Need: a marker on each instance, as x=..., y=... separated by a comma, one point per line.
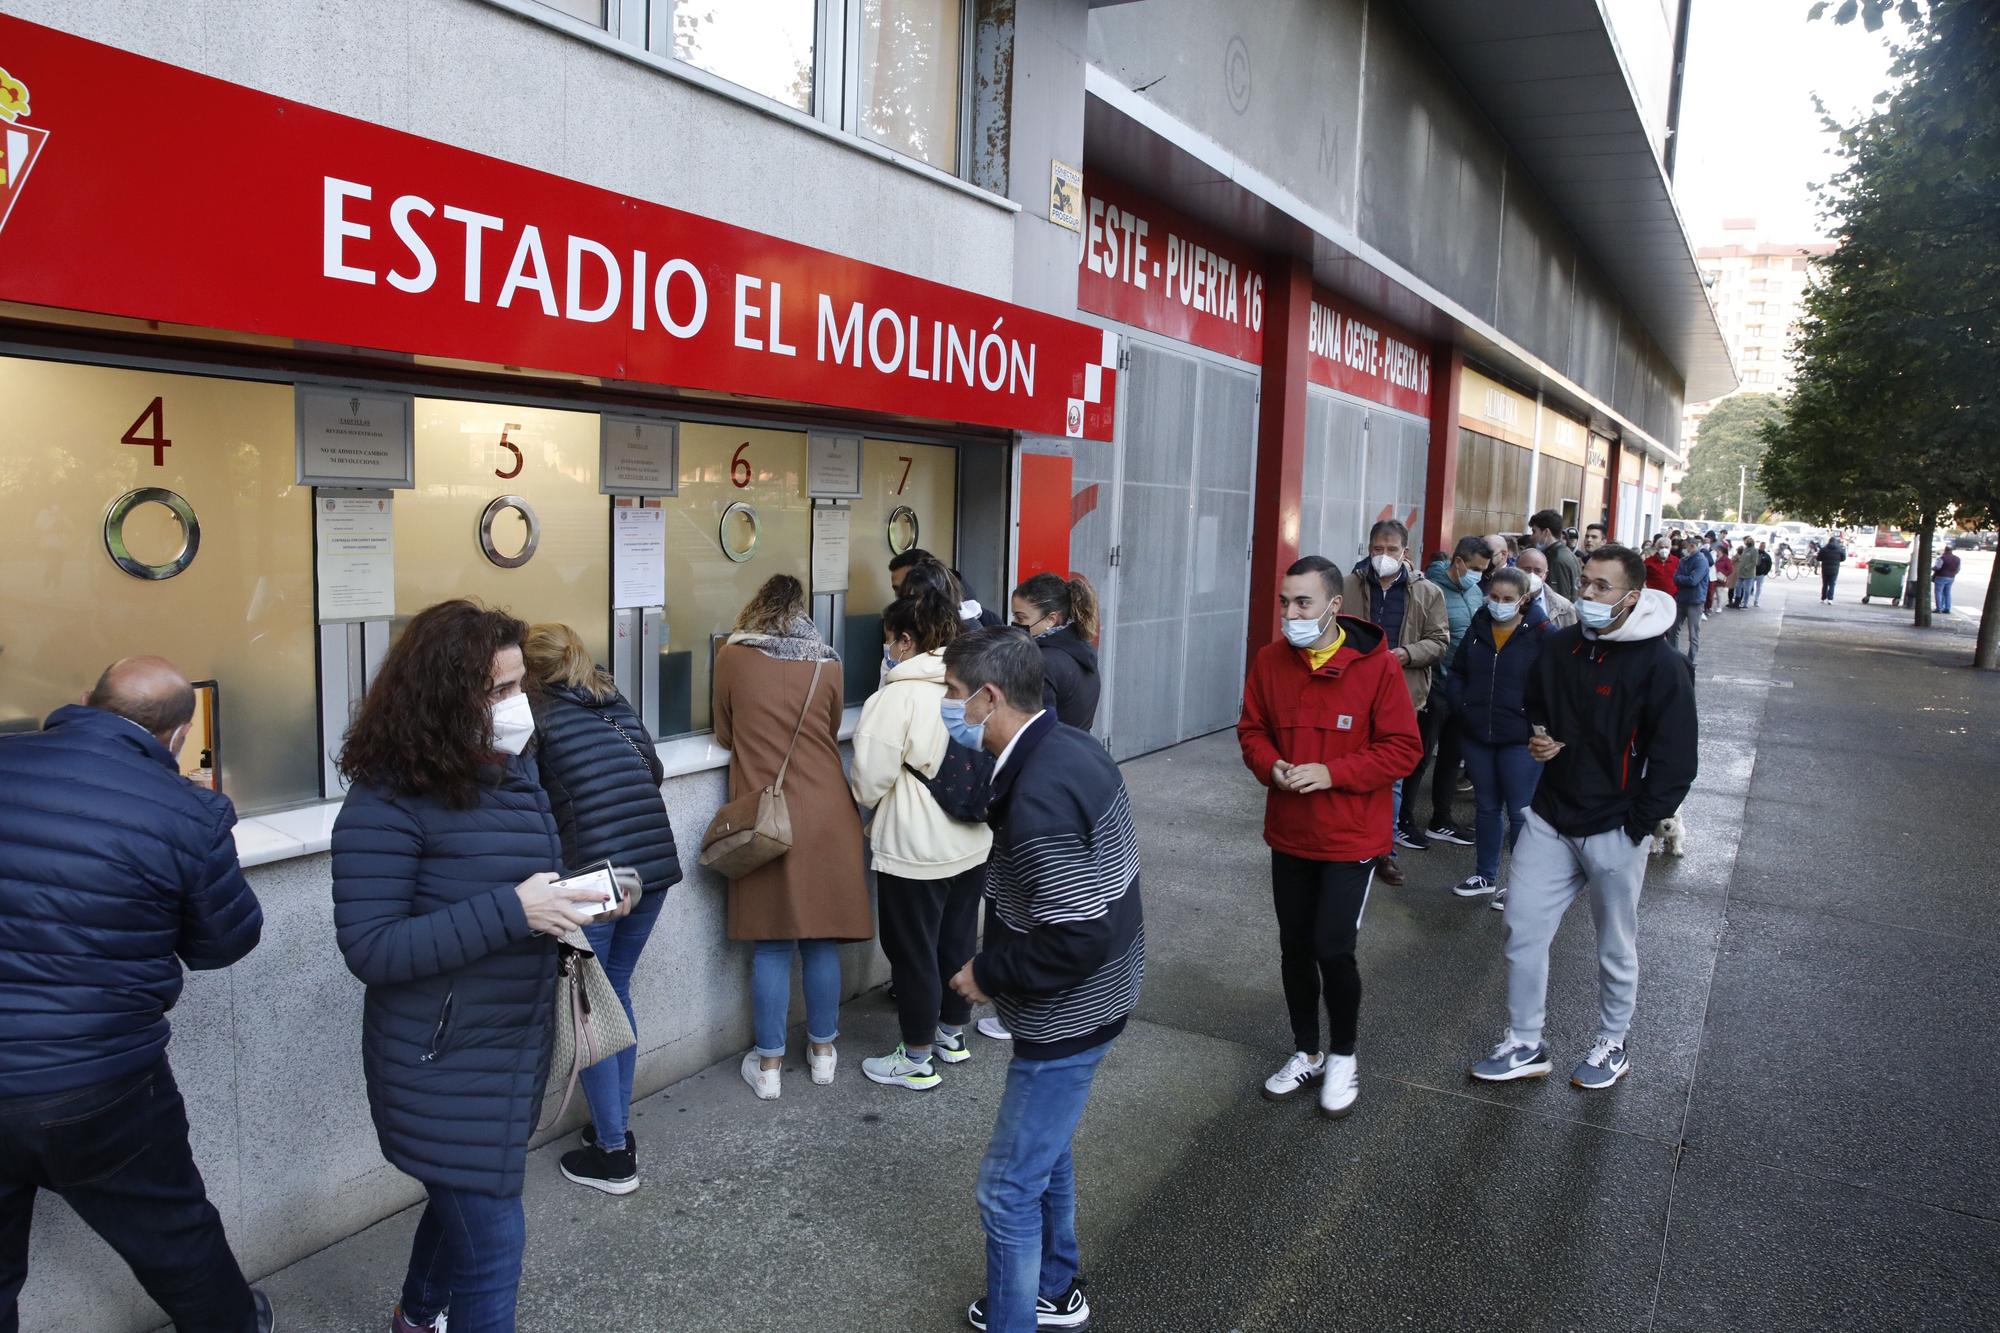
x=763, y=45
x=590, y=11
x=907, y=77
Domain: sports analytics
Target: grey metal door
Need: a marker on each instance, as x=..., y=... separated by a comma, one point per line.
x=1179, y=607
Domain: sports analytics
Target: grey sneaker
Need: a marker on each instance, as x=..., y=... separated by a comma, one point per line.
x=1605, y=1065
x=898, y=1069
x=950, y=1047
x=1512, y=1059
x=1474, y=886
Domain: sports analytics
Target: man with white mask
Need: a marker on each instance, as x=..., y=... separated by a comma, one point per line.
x=1560, y=611
x=1384, y=590
x=1611, y=713
x=1327, y=726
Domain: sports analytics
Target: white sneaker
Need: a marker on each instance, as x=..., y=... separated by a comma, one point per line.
x=821, y=1066
x=1300, y=1070
x=762, y=1081
x=1340, y=1087
x=994, y=1028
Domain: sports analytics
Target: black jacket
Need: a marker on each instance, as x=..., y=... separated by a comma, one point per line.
x=1070, y=683
x=1488, y=685
x=603, y=778
x=1625, y=713
x=114, y=871
x=455, y=1026
x=1832, y=555
x=1065, y=946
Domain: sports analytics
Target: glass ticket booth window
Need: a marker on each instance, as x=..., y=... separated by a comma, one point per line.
x=741, y=516
x=149, y=513
x=909, y=497
x=506, y=509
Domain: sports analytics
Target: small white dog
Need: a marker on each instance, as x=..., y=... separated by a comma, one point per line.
x=1670, y=837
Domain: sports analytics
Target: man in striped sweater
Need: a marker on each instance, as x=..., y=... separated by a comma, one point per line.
x=1064, y=953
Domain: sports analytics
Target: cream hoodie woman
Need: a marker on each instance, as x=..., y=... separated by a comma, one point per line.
x=902, y=729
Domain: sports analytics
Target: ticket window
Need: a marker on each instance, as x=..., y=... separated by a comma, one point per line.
x=192, y=478
x=741, y=516
x=909, y=498
x=506, y=510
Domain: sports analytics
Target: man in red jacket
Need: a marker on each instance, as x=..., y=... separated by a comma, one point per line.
x=1328, y=726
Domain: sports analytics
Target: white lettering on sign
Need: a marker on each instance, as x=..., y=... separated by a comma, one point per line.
x=1367, y=350
x=592, y=281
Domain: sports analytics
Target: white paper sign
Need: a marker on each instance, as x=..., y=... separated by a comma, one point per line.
x=638, y=557
x=356, y=555
x=640, y=456
x=833, y=466
x=349, y=438
x=830, y=548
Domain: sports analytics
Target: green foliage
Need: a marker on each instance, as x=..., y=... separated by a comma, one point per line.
x=1730, y=438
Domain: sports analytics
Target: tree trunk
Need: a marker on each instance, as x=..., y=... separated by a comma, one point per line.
x=1926, y=525
x=1986, y=654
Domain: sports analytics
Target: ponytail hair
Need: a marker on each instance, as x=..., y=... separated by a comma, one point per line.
x=930, y=621
x=1073, y=599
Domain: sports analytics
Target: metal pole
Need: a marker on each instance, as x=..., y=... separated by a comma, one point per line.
x=1742, y=481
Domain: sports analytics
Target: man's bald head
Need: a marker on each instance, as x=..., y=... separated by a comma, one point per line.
x=150, y=691
x=1497, y=546
x=1532, y=561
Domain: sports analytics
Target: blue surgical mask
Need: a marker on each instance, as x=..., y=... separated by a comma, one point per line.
x=965, y=733
x=1502, y=611
x=1596, y=615
x=889, y=662
x=1469, y=581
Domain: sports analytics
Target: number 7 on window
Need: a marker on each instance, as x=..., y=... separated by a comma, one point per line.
x=902, y=480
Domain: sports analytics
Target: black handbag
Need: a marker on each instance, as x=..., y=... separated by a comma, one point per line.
x=963, y=787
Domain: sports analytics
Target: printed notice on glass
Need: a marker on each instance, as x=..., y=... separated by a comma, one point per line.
x=639, y=456
x=833, y=467
x=349, y=438
x=638, y=557
x=830, y=547
x=355, y=555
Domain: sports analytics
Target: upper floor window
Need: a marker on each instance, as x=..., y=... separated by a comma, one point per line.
x=766, y=46
x=590, y=11
x=907, y=76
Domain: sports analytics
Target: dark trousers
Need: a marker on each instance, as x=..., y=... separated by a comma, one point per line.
x=118, y=1153
x=466, y=1257
x=1450, y=758
x=1319, y=905
x=1828, y=576
x=1430, y=721
x=930, y=929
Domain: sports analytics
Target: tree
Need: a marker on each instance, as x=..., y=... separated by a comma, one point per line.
x=1894, y=414
x=1729, y=438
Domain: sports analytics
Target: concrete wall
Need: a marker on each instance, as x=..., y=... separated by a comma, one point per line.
x=268, y=1057
x=1344, y=103
x=481, y=77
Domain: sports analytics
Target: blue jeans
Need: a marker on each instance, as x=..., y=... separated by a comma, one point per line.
x=771, y=991
x=1027, y=1187
x=466, y=1258
x=1941, y=586
x=607, y=1085
x=1503, y=781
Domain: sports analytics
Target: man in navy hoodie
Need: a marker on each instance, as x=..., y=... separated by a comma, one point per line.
x=1063, y=957
x=114, y=871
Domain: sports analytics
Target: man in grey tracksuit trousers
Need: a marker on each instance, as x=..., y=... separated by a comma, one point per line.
x=1613, y=710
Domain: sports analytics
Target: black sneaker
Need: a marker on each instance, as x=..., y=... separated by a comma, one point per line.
x=590, y=1137
x=1069, y=1310
x=1451, y=833
x=612, y=1172
x=266, y=1321
x=1408, y=838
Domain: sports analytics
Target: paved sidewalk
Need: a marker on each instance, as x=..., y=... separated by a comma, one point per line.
x=1808, y=1140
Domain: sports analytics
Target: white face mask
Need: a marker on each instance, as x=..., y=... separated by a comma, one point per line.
x=1534, y=586
x=513, y=724
x=1306, y=633
x=1386, y=566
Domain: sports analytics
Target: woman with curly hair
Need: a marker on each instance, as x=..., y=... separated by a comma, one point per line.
x=774, y=670
x=445, y=858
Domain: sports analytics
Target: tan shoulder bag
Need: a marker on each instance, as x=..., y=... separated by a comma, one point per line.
x=756, y=829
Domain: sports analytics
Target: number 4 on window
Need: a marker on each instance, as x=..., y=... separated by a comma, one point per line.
x=158, y=442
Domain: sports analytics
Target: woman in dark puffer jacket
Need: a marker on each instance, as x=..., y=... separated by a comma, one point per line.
x=603, y=779
x=1060, y=615
x=445, y=858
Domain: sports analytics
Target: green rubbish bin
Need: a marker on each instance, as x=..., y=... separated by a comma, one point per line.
x=1885, y=579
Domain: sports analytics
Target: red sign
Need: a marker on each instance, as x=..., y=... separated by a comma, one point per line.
x=166, y=195
x=1146, y=265
x=1362, y=354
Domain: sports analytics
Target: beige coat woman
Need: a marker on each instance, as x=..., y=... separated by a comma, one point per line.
x=816, y=890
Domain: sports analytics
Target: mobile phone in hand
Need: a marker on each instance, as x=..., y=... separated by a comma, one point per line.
x=598, y=878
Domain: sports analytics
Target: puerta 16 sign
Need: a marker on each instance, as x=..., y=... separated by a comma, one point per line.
x=368, y=237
